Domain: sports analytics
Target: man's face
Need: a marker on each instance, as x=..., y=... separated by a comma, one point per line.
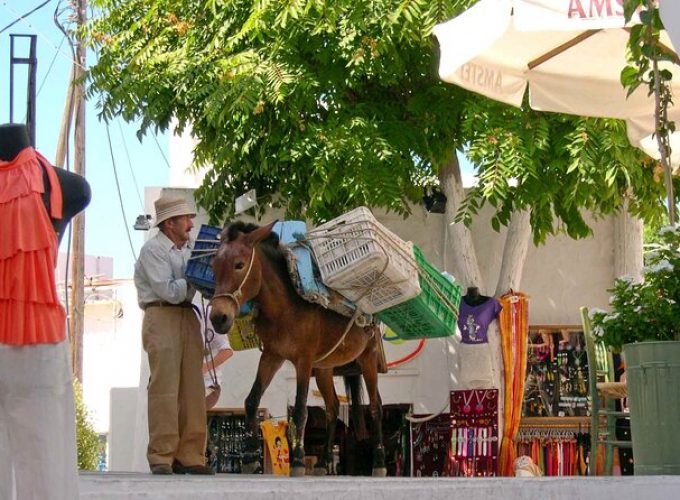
x=179, y=228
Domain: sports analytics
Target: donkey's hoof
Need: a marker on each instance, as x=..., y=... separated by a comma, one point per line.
x=380, y=472
x=251, y=468
x=296, y=471
x=320, y=471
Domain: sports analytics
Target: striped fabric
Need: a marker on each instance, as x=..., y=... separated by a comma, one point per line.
x=514, y=326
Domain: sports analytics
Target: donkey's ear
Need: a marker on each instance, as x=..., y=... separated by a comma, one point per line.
x=260, y=233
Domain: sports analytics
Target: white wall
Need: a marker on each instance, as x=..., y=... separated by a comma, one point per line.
x=112, y=347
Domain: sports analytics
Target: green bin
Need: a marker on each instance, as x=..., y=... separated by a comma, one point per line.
x=653, y=379
x=433, y=313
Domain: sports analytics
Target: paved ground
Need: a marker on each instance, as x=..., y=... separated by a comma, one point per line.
x=131, y=486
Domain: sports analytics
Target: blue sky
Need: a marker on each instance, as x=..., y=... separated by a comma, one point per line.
x=105, y=228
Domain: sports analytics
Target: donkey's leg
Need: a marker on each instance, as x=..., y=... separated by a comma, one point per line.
x=267, y=368
x=368, y=361
x=303, y=369
x=324, y=380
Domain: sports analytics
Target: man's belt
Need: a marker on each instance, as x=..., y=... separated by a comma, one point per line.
x=163, y=303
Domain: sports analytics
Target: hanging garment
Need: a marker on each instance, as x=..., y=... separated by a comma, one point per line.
x=514, y=323
x=473, y=321
x=30, y=311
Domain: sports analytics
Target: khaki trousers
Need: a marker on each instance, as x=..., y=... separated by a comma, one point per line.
x=176, y=395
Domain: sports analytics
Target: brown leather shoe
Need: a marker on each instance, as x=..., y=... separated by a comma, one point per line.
x=160, y=469
x=178, y=468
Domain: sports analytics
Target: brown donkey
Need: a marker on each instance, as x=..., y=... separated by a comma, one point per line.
x=250, y=266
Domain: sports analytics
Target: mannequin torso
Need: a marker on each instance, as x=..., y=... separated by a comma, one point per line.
x=473, y=298
x=75, y=189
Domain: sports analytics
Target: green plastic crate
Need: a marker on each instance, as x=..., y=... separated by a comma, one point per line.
x=431, y=314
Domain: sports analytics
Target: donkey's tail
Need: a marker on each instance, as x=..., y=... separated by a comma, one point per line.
x=353, y=390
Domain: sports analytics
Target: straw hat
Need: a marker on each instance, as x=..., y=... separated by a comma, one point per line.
x=168, y=206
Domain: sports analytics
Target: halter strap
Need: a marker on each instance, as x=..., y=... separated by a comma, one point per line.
x=236, y=294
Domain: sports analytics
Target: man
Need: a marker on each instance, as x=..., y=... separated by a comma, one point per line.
x=171, y=338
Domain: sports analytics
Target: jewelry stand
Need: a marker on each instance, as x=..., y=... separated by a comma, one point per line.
x=431, y=447
x=474, y=437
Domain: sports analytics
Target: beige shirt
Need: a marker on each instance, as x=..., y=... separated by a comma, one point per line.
x=159, y=272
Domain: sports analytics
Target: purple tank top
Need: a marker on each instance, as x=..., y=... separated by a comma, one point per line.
x=474, y=321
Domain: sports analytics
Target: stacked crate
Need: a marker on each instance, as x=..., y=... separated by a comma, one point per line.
x=433, y=313
x=199, y=270
x=364, y=261
x=370, y=265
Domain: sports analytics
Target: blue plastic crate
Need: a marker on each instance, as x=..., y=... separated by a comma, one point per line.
x=199, y=270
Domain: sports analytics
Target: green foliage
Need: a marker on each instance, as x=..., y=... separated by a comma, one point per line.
x=649, y=310
x=556, y=165
x=645, y=53
x=322, y=106
x=87, y=439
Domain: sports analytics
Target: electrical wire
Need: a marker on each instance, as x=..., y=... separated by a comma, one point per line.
x=49, y=68
x=132, y=170
x=55, y=18
x=161, y=150
x=24, y=16
x=43, y=36
x=120, y=196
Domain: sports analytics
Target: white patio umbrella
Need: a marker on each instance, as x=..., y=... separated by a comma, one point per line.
x=568, y=53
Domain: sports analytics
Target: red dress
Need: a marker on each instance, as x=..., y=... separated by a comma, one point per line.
x=30, y=311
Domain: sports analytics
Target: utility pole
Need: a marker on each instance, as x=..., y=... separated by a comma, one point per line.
x=77, y=305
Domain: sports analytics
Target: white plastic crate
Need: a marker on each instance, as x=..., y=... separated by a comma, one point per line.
x=365, y=261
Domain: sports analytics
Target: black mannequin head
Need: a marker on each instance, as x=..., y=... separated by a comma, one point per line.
x=473, y=297
x=13, y=139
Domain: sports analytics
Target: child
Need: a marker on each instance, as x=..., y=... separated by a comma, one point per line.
x=217, y=351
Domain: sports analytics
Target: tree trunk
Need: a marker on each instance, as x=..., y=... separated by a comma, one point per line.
x=514, y=252
x=627, y=245
x=466, y=268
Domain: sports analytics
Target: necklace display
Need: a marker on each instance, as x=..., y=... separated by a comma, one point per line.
x=474, y=437
x=556, y=384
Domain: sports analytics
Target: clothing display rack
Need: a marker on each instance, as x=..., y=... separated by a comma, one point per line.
x=558, y=446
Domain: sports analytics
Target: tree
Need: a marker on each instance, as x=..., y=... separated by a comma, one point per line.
x=322, y=106
x=88, y=443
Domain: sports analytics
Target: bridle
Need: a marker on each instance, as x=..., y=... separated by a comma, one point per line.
x=236, y=294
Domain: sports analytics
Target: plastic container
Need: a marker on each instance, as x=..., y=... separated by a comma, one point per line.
x=242, y=335
x=306, y=273
x=365, y=261
x=199, y=270
x=431, y=314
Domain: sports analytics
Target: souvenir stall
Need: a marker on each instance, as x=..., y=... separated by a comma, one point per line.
x=536, y=412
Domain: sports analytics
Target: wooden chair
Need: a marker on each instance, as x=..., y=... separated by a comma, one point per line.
x=604, y=392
